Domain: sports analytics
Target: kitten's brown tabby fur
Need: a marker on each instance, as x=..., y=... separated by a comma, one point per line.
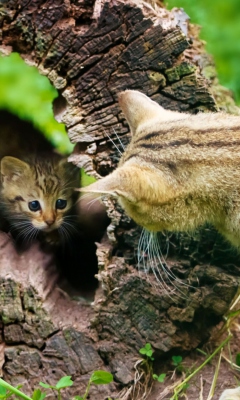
x=37, y=196
x=179, y=170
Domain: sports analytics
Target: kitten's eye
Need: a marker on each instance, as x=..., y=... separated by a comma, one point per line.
x=61, y=204
x=34, y=205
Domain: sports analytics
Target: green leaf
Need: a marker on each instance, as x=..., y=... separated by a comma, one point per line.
x=202, y=352
x=45, y=385
x=149, y=354
x=147, y=350
x=185, y=386
x=176, y=360
x=238, y=359
x=101, y=377
x=161, y=378
x=64, y=382
x=3, y=391
x=78, y=398
x=38, y=395
x=11, y=389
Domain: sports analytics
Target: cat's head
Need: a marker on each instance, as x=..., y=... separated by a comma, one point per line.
x=38, y=193
x=138, y=185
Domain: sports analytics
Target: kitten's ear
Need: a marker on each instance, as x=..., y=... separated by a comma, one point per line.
x=12, y=168
x=139, y=109
x=63, y=163
x=68, y=165
x=69, y=169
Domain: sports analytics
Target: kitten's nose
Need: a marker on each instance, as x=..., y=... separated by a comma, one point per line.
x=49, y=221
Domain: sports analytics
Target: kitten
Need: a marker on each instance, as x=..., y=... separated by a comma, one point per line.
x=179, y=171
x=38, y=197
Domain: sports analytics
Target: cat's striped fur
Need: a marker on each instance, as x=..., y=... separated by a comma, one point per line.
x=179, y=170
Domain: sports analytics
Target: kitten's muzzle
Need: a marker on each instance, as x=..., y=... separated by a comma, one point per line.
x=49, y=222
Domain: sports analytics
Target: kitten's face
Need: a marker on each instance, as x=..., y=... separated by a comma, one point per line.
x=39, y=194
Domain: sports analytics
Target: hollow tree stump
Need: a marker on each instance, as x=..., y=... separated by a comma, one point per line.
x=92, y=50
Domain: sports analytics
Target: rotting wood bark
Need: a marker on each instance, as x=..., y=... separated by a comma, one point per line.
x=91, y=51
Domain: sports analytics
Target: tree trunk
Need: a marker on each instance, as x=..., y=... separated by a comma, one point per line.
x=90, y=51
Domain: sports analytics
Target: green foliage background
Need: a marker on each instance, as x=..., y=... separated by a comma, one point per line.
x=220, y=21
x=26, y=93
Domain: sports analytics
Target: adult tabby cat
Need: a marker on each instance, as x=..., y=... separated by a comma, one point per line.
x=38, y=196
x=179, y=170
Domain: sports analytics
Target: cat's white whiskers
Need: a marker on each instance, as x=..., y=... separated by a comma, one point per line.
x=121, y=143
x=90, y=203
x=69, y=226
x=28, y=233
x=25, y=229
x=171, y=277
x=65, y=233
x=33, y=234
x=164, y=267
x=17, y=217
x=145, y=257
x=16, y=222
x=18, y=225
x=85, y=195
x=72, y=217
x=114, y=144
x=143, y=245
x=151, y=258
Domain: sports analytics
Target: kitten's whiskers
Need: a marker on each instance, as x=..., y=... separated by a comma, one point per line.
x=64, y=232
x=29, y=232
x=69, y=226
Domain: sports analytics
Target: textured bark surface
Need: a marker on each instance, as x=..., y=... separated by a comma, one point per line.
x=91, y=50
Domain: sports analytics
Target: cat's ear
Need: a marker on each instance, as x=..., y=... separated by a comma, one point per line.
x=139, y=109
x=70, y=170
x=133, y=183
x=68, y=166
x=12, y=168
x=64, y=164
x=118, y=183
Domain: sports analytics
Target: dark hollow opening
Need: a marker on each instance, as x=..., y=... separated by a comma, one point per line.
x=76, y=261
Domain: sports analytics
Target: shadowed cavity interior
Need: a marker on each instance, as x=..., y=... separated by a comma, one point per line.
x=76, y=261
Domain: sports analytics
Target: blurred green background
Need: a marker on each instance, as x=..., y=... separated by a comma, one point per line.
x=220, y=21
x=26, y=93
